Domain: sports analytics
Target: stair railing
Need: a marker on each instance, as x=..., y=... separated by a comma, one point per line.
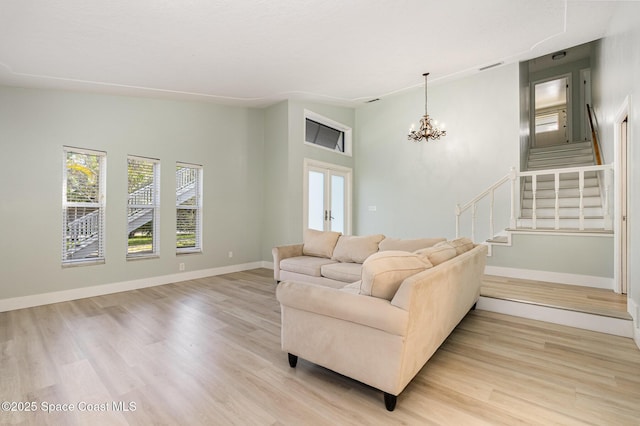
x=509, y=177
x=513, y=176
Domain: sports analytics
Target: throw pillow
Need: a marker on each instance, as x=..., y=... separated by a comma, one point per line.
x=462, y=245
x=319, y=243
x=356, y=249
x=382, y=273
x=438, y=254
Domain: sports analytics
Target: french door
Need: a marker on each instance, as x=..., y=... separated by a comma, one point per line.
x=327, y=197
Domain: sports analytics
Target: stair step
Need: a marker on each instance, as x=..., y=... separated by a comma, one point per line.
x=593, y=191
x=563, y=202
x=564, y=183
x=564, y=161
x=561, y=147
x=578, y=306
x=568, y=153
x=568, y=212
x=567, y=224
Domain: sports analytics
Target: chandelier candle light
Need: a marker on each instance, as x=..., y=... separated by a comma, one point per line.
x=428, y=129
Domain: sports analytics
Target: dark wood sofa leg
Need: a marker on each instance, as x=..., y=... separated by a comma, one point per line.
x=473, y=308
x=390, y=401
x=293, y=360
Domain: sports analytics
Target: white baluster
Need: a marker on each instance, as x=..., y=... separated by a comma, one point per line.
x=491, y=234
x=534, y=188
x=457, y=220
x=557, y=189
x=608, y=222
x=473, y=222
x=581, y=190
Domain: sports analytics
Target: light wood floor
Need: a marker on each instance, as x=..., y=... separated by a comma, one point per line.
x=571, y=297
x=207, y=352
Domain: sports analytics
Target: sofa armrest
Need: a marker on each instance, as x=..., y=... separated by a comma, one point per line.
x=365, y=310
x=283, y=252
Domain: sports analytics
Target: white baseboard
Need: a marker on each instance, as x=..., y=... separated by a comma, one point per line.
x=99, y=290
x=608, y=325
x=554, y=277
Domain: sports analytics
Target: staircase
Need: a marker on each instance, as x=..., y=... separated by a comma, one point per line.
x=542, y=192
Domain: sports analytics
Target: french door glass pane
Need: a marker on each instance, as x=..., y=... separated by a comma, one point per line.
x=316, y=200
x=337, y=203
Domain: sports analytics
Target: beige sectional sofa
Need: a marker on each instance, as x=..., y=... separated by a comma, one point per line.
x=332, y=259
x=382, y=328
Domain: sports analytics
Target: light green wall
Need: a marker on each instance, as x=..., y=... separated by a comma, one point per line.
x=579, y=255
x=285, y=152
x=615, y=77
x=36, y=124
x=416, y=186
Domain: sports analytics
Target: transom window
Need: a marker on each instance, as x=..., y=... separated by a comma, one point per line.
x=325, y=133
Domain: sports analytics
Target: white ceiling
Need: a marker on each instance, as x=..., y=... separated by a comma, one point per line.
x=257, y=52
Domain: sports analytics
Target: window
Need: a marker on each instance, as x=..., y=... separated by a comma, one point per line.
x=547, y=122
x=83, y=205
x=143, y=207
x=327, y=134
x=188, y=208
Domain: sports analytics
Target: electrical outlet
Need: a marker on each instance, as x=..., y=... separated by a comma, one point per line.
x=230, y=254
x=181, y=266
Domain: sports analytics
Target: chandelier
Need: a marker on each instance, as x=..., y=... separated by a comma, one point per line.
x=428, y=129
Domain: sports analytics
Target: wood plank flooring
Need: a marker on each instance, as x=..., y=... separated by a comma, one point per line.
x=571, y=297
x=207, y=352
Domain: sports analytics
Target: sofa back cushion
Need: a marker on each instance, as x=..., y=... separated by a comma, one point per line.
x=438, y=254
x=408, y=245
x=382, y=273
x=355, y=249
x=319, y=243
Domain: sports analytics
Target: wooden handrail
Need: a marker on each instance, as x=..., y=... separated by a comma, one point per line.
x=594, y=137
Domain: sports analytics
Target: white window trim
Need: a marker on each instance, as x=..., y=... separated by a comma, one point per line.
x=309, y=164
x=199, y=237
x=155, y=207
x=102, y=190
x=348, y=132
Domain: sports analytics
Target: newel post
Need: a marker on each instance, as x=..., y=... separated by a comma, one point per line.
x=457, y=211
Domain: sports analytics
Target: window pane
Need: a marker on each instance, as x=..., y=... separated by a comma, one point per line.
x=316, y=201
x=187, y=225
x=83, y=177
x=337, y=203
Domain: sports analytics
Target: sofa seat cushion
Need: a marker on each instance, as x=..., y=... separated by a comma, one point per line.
x=408, y=245
x=382, y=273
x=351, y=248
x=347, y=272
x=307, y=265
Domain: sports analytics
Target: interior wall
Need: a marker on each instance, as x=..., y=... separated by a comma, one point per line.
x=36, y=124
x=285, y=154
x=408, y=189
x=615, y=75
